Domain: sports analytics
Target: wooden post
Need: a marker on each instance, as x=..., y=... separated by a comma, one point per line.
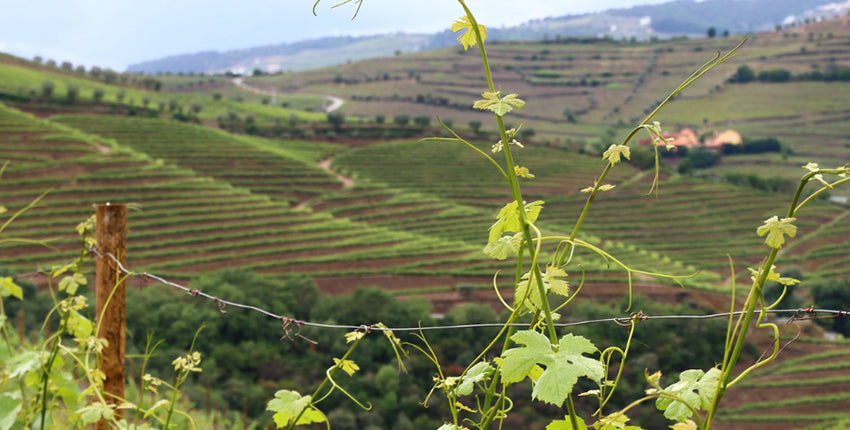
x=111, y=295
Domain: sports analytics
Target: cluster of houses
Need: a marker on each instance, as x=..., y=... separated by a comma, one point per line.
x=688, y=138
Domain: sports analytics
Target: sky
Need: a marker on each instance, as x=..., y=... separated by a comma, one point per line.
x=116, y=33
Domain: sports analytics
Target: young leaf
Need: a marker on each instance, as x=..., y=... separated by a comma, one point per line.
x=468, y=37
x=776, y=229
x=566, y=424
x=347, y=366
x=508, y=219
x=499, y=105
x=503, y=246
x=615, y=422
x=449, y=426
x=9, y=408
x=69, y=284
x=9, y=287
x=612, y=154
x=80, y=326
x=477, y=373
x=696, y=388
x=523, y=172
x=687, y=425
x=564, y=365
x=550, y=283
x=288, y=404
x=96, y=412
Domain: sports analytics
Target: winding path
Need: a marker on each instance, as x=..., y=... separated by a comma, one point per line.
x=333, y=104
x=347, y=183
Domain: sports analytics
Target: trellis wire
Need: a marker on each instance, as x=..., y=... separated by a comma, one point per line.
x=796, y=314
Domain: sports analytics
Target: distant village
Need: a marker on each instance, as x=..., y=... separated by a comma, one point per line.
x=688, y=138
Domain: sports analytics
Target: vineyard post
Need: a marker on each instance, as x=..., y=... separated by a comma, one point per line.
x=111, y=298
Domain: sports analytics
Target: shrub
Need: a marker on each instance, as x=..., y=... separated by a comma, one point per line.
x=47, y=88
x=422, y=120
x=743, y=75
x=72, y=92
x=401, y=119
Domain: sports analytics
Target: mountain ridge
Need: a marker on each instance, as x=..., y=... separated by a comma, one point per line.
x=676, y=18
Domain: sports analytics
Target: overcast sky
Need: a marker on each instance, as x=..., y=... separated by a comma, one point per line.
x=116, y=33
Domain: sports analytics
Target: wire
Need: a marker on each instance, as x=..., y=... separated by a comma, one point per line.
x=796, y=314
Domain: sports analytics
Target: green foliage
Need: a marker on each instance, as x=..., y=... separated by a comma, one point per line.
x=832, y=294
x=564, y=364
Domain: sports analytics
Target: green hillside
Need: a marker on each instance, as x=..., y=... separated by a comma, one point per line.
x=604, y=85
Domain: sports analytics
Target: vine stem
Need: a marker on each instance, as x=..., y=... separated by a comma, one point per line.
x=742, y=326
x=517, y=196
x=325, y=382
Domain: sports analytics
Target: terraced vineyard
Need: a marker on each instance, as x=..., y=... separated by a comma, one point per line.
x=605, y=84
x=242, y=162
x=191, y=222
x=805, y=388
x=717, y=218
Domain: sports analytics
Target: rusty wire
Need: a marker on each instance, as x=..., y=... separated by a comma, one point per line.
x=292, y=327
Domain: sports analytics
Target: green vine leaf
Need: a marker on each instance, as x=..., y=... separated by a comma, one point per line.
x=564, y=364
x=508, y=219
x=613, y=153
x=80, y=326
x=499, y=105
x=566, y=424
x=348, y=366
x=773, y=276
x=696, y=388
x=551, y=283
x=96, y=412
x=9, y=408
x=615, y=422
x=523, y=172
x=503, y=246
x=468, y=37
x=11, y=288
x=287, y=404
x=776, y=229
x=69, y=284
x=480, y=372
x=449, y=426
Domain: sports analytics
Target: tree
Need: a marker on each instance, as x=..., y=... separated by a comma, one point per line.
x=401, y=119
x=72, y=92
x=422, y=120
x=743, y=75
x=711, y=32
x=196, y=108
x=47, y=88
x=701, y=158
x=336, y=119
x=475, y=125
x=97, y=94
x=833, y=294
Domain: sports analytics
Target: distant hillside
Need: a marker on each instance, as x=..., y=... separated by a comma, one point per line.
x=680, y=17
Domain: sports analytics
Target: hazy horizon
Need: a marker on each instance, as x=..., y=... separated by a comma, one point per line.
x=117, y=34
